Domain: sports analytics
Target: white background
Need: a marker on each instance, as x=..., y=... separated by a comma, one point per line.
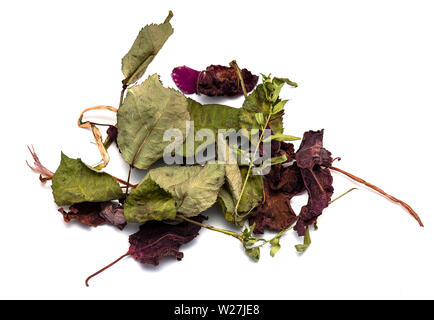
x=366, y=74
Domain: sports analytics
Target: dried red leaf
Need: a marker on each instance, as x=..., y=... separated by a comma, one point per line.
x=313, y=159
x=113, y=213
x=275, y=213
x=112, y=132
x=216, y=80
x=95, y=214
x=157, y=239
x=312, y=152
x=281, y=184
x=318, y=182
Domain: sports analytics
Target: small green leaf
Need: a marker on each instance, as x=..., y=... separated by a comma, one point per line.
x=254, y=253
x=75, y=182
x=250, y=242
x=259, y=117
x=278, y=107
x=273, y=161
x=306, y=243
x=275, y=246
x=281, y=137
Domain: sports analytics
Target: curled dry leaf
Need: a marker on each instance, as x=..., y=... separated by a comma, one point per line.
x=313, y=159
x=95, y=214
x=276, y=213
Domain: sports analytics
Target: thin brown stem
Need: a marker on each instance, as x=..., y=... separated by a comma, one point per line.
x=380, y=191
x=128, y=180
x=234, y=65
x=125, y=183
x=105, y=268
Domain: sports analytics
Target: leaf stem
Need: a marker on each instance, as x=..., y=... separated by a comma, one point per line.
x=234, y=65
x=105, y=268
x=227, y=232
x=128, y=180
x=343, y=194
x=125, y=183
x=250, y=167
x=380, y=191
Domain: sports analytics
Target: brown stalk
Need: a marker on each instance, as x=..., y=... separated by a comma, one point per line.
x=380, y=191
x=105, y=268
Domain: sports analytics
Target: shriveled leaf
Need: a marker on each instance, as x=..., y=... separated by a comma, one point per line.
x=312, y=152
x=75, y=182
x=275, y=246
x=148, y=110
x=87, y=213
x=156, y=240
x=318, y=182
x=194, y=189
x=216, y=80
x=144, y=49
x=313, y=160
x=275, y=213
x=113, y=213
x=95, y=214
x=149, y=202
x=254, y=253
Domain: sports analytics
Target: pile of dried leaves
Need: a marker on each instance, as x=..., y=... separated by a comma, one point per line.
x=170, y=200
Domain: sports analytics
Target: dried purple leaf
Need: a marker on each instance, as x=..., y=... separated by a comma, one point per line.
x=157, y=239
x=216, y=80
x=95, y=214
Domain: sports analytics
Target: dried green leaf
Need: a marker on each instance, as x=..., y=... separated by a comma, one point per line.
x=252, y=194
x=146, y=46
x=256, y=102
x=275, y=246
x=260, y=119
x=149, y=202
x=254, y=253
x=278, y=107
x=148, y=111
x=306, y=242
x=194, y=189
x=75, y=182
x=280, y=137
x=209, y=116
